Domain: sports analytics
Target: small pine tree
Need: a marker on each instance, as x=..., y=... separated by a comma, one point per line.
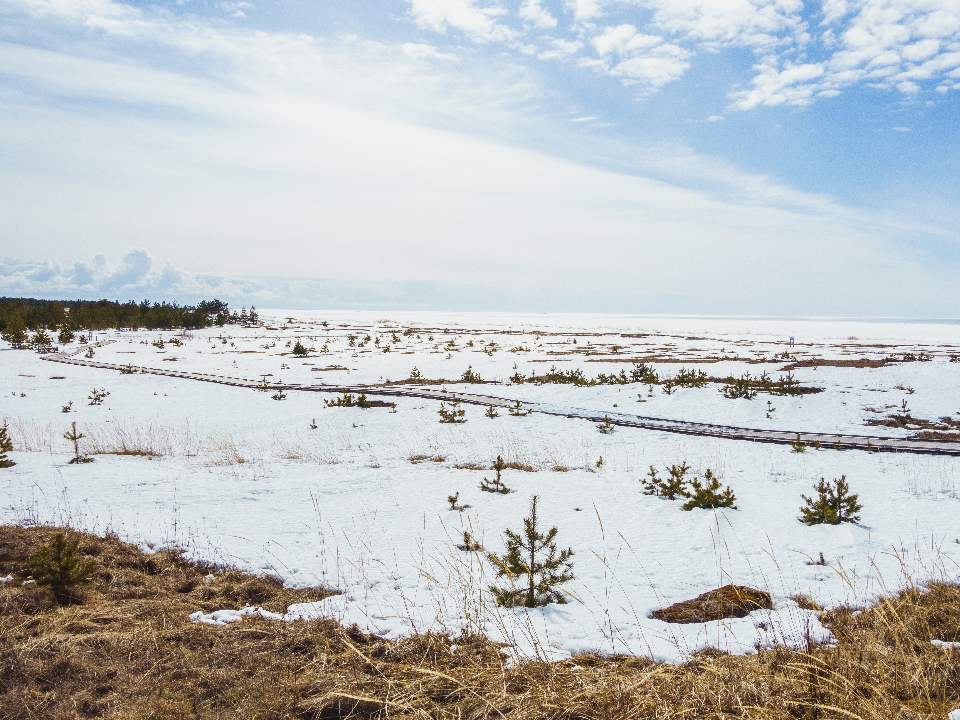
x=496, y=486
x=833, y=505
x=798, y=445
x=606, y=427
x=66, y=335
x=362, y=401
x=299, y=350
x=345, y=400
x=491, y=413
x=533, y=555
x=453, y=500
x=41, y=340
x=75, y=437
x=709, y=496
x=454, y=414
x=6, y=445
x=470, y=543
x=97, y=397
x=671, y=488
x=469, y=376
x=517, y=410
x=15, y=332
x=57, y=565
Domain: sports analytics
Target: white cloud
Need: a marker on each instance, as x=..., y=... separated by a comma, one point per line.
x=758, y=24
x=584, y=9
x=901, y=129
x=286, y=155
x=532, y=12
x=774, y=85
x=642, y=59
x=624, y=40
x=464, y=15
x=561, y=49
x=886, y=43
x=426, y=52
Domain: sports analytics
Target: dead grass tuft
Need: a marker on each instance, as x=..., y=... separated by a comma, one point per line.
x=415, y=459
x=129, y=651
x=519, y=465
x=730, y=601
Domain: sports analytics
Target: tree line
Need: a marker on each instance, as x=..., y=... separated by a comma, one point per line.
x=19, y=315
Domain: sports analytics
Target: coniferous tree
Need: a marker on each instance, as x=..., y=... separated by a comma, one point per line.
x=709, y=496
x=6, y=445
x=57, y=565
x=491, y=413
x=40, y=340
x=15, y=332
x=496, y=486
x=453, y=414
x=833, y=505
x=75, y=437
x=517, y=410
x=66, y=335
x=533, y=566
x=671, y=488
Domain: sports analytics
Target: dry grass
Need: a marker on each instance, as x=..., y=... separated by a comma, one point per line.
x=128, y=651
x=417, y=459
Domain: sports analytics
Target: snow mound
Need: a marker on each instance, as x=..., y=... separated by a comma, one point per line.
x=300, y=611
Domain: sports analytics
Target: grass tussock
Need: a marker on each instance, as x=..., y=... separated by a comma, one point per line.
x=417, y=459
x=125, y=649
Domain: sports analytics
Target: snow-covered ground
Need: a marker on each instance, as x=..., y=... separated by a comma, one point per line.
x=240, y=478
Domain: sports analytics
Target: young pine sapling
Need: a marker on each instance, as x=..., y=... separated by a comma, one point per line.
x=454, y=414
x=517, y=410
x=453, y=500
x=709, y=495
x=532, y=565
x=671, y=488
x=75, y=437
x=496, y=485
x=57, y=565
x=605, y=427
x=833, y=505
x=97, y=397
x=6, y=445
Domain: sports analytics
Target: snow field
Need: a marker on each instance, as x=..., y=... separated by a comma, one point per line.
x=241, y=479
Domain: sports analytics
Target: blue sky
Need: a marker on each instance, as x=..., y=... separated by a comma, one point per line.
x=689, y=156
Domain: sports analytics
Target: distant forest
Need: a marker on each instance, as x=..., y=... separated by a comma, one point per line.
x=23, y=314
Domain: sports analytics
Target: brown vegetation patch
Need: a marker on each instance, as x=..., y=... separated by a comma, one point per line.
x=662, y=359
x=128, y=651
x=518, y=465
x=939, y=436
x=943, y=429
x=820, y=362
x=415, y=459
x=379, y=403
x=138, y=452
x=730, y=601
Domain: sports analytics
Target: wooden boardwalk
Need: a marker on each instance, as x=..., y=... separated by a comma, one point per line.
x=781, y=437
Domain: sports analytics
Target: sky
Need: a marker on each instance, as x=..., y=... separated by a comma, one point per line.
x=757, y=157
